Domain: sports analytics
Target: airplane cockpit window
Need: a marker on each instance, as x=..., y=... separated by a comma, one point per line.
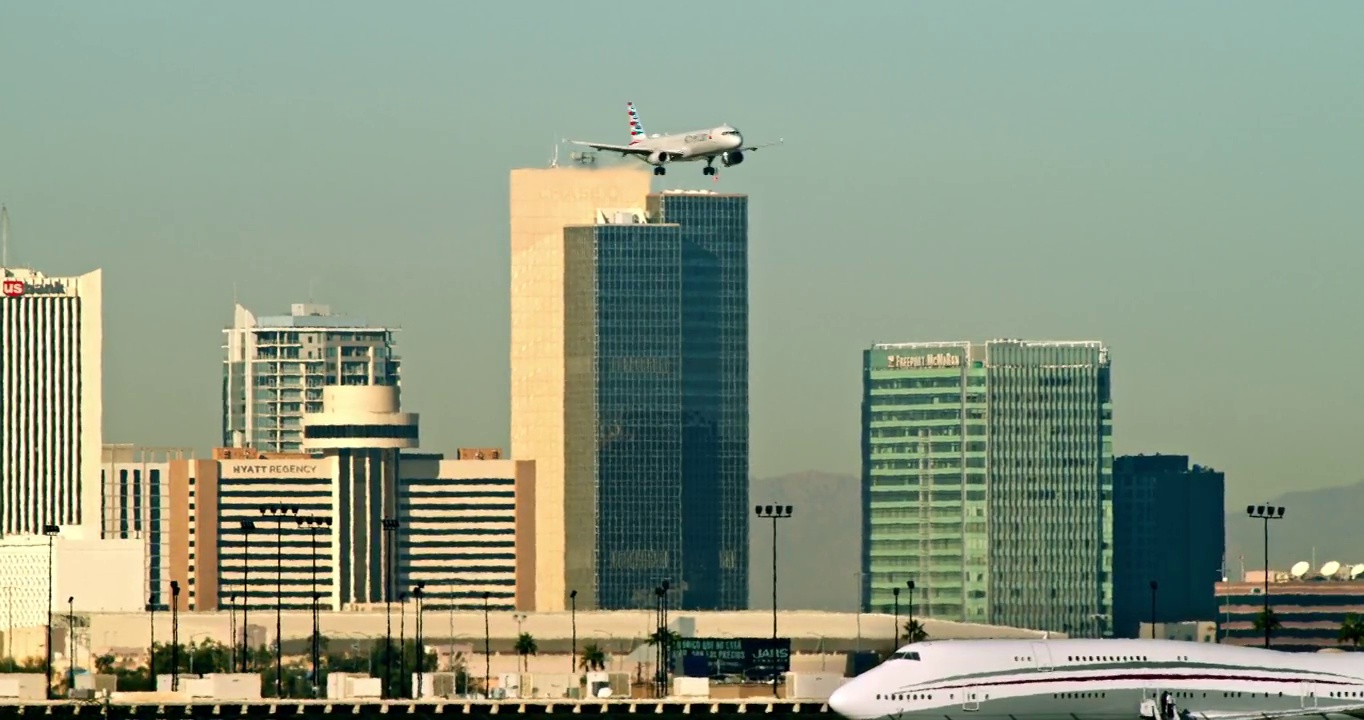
x=905, y=655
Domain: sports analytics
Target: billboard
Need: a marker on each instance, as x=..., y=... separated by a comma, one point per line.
x=737, y=656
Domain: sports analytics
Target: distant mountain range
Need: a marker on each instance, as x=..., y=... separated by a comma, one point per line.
x=1327, y=523
x=819, y=549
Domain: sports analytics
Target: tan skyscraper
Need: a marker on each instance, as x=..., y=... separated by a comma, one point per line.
x=543, y=202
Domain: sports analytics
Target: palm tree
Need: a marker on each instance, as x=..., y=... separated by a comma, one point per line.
x=915, y=632
x=1352, y=630
x=593, y=658
x=668, y=636
x=525, y=647
x=1267, y=619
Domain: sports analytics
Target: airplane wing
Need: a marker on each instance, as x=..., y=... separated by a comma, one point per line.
x=1276, y=714
x=754, y=148
x=622, y=149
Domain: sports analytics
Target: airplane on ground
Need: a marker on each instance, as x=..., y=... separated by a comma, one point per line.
x=723, y=142
x=1110, y=679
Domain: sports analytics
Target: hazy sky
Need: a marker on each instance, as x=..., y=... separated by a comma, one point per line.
x=1180, y=180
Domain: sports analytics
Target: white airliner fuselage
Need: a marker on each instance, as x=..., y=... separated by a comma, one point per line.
x=1102, y=680
x=723, y=142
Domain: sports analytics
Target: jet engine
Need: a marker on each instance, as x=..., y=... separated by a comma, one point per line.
x=658, y=157
x=731, y=159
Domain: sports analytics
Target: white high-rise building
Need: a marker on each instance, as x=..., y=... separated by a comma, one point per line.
x=51, y=400
x=276, y=367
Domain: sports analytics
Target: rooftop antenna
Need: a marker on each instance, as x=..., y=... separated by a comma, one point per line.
x=554, y=161
x=311, y=283
x=4, y=236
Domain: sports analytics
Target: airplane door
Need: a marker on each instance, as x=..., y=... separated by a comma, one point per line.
x=1041, y=656
x=970, y=702
x=1308, y=695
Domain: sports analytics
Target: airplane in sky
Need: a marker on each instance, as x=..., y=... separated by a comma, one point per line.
x=1109, y=679
x=723, y=142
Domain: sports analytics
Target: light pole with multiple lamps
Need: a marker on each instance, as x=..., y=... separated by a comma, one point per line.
x=1266, y=513
x=51, y=531
x=279, y=513
x=390, y=531
x=775, y=513
x=314, y=523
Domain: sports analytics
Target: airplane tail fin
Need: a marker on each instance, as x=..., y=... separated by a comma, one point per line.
x=636, y=127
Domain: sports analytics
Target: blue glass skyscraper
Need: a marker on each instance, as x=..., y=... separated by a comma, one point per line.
x=656, y=403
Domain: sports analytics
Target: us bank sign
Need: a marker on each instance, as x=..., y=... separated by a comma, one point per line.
x=914, y=362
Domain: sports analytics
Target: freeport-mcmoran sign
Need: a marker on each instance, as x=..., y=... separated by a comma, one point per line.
x=912, y=362
x=271, y=469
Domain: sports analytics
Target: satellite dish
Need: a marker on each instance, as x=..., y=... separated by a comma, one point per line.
x=1300, y=568
x=1356, y=571
x=1330, y=569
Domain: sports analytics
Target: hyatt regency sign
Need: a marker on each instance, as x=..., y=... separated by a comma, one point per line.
x=272, y=469
x=914, y=362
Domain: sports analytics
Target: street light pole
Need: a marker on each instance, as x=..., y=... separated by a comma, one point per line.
x=404, y=682
x=151, y=647
x=175, y=636
x=775, y=512
x=487, y=652
x=313, y=523
x=390, y=530
x=71, y=641
x=573, y=621
x=279, y=513
x=1266, y=513
x=1154, y=586
x=51, y=532
x=895, y=591
x=417, y=592
x=247, y=528
x=910, y=585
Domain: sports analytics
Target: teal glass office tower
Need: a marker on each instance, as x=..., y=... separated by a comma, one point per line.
x=987, y=480
x=656, y=403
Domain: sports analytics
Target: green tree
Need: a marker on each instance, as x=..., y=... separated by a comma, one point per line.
x=1267, y=621
x=525, y=647
x=1352, y=630
x=593, y=658
x=914, y=631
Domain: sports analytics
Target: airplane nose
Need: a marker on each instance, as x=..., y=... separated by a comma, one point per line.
x=842, y=702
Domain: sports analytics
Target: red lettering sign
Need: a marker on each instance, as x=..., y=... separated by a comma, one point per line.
x=13, y=288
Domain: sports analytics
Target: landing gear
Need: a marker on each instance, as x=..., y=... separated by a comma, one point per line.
x=708, y=169
x=660, y=170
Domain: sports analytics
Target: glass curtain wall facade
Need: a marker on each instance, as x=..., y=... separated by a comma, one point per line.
x=656, y=404
x=987, y=479
x=715, y=507
x=924, y=480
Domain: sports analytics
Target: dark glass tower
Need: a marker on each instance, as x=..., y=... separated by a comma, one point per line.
x=714, y=235
x=1169, y=525
x=656, y=403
